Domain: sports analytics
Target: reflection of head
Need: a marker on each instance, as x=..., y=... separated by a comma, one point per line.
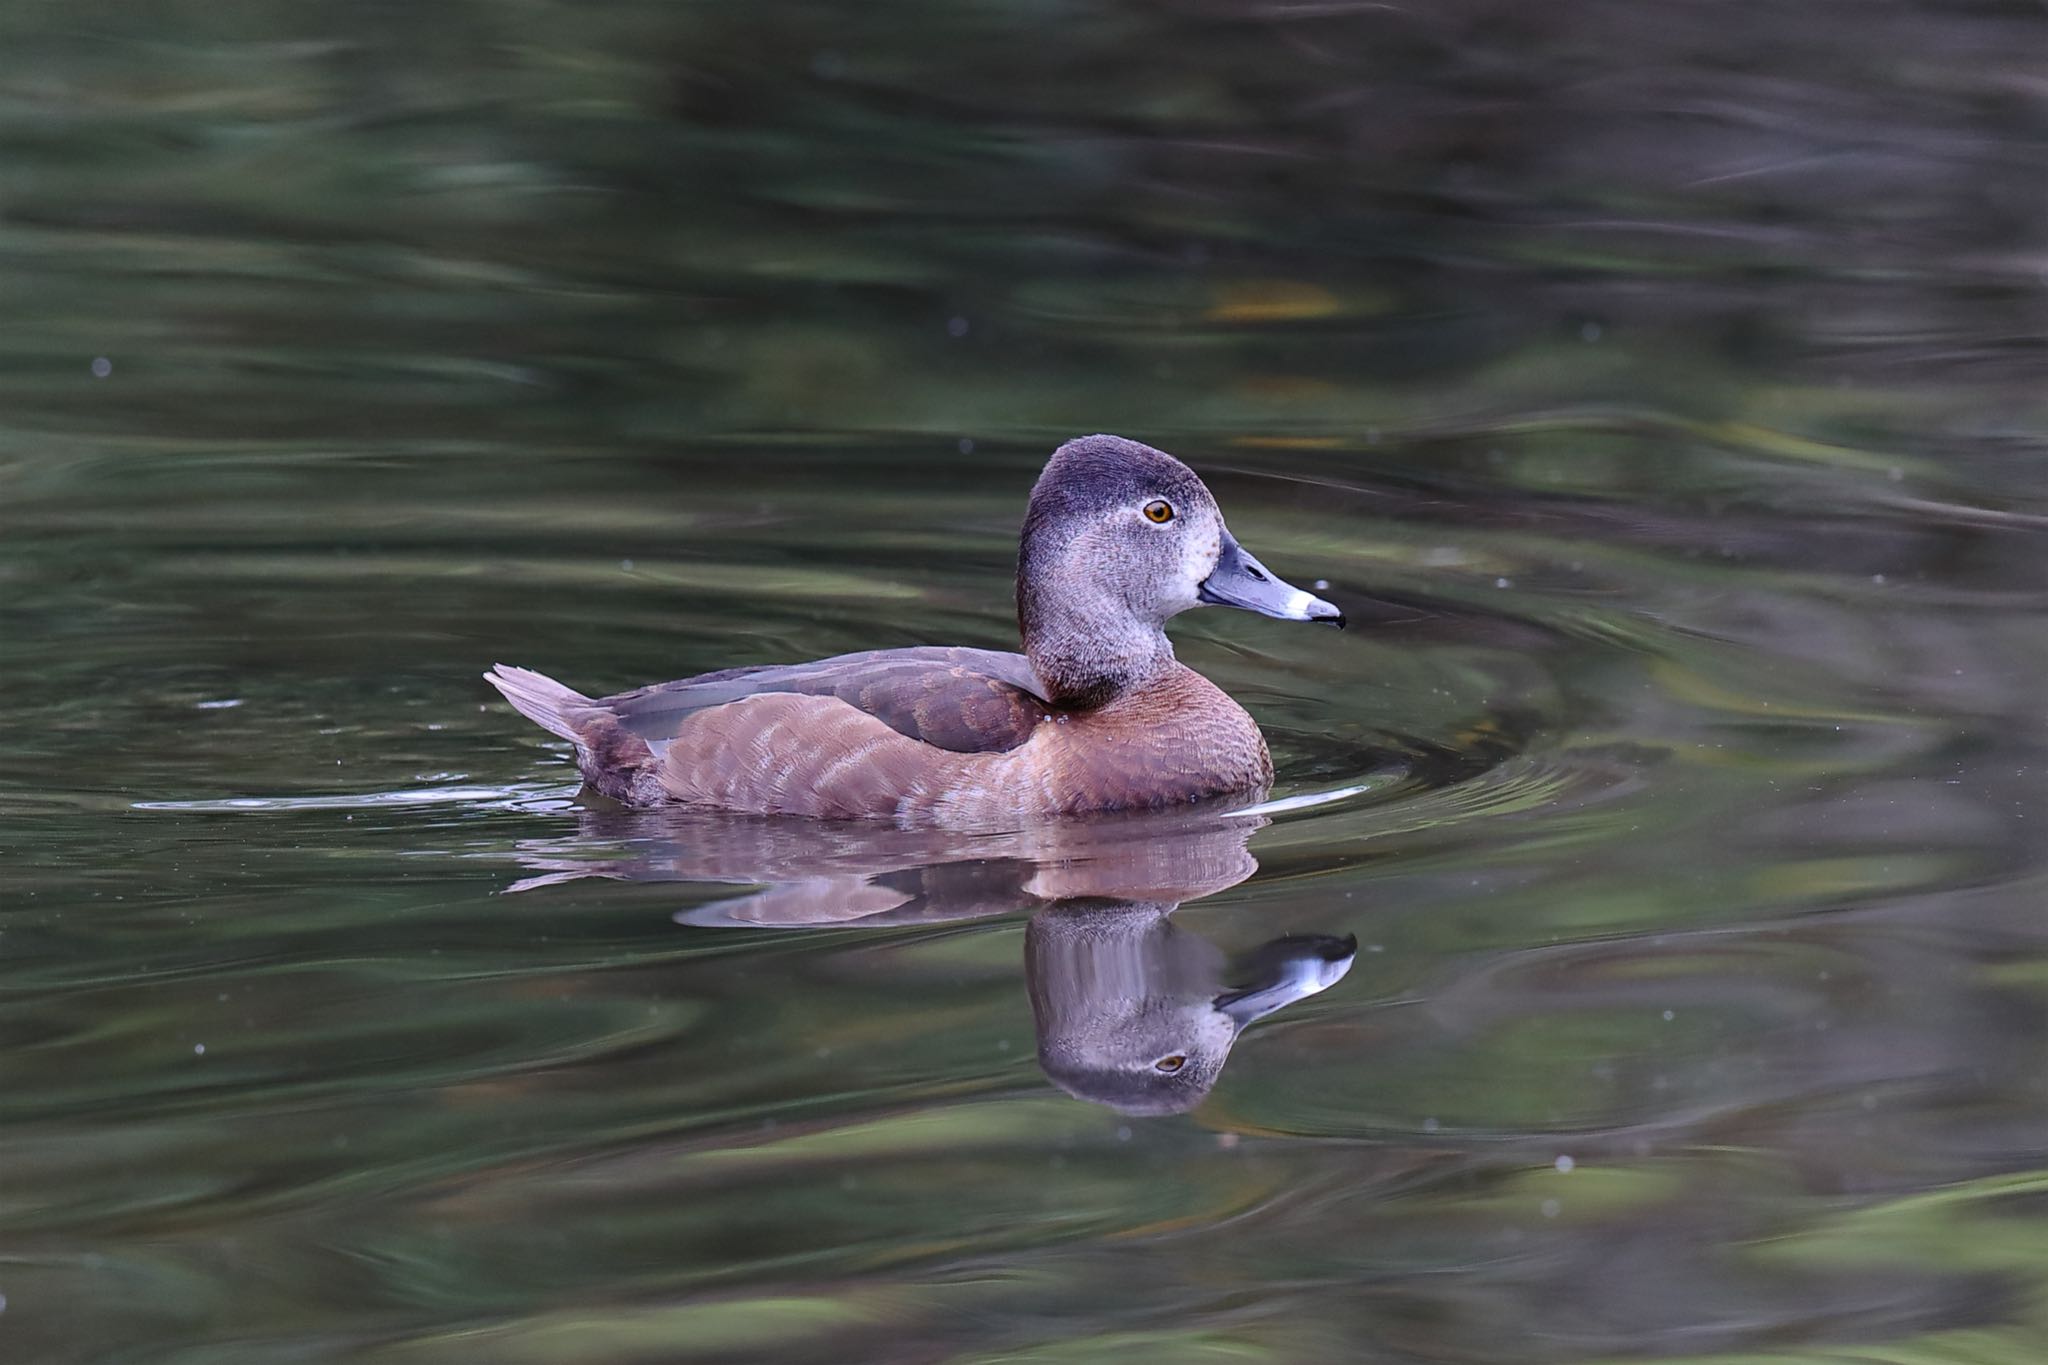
x=1136, y=1013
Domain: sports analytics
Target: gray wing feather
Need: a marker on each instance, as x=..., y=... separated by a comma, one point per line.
x=965, y=700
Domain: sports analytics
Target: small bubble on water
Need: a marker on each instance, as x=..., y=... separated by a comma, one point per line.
x=101, y=367
x=1564, y=1165
x=199, y=1049
x=1590, y=332
x=1429, y=1125
x=1551, y=1208
x=966, y=445
x=956, y=327
x=1123, y=1133
x=1669, y=1015
x=1322, y=585
x=1375, y=947
x=626, y=565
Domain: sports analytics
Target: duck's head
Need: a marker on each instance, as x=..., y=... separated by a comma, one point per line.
x=1119, y=539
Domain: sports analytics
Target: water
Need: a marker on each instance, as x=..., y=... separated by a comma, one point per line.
x=1641, y=957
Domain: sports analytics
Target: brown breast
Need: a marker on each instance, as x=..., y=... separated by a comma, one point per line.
x=1179, y=740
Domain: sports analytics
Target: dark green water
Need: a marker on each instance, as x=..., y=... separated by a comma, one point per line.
x=1662, y=396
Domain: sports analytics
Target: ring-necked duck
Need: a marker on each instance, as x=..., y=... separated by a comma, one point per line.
x=1096, y=714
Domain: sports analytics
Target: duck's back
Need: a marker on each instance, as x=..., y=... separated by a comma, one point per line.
x=968, y=701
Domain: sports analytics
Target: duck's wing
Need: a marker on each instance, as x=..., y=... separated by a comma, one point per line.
x=970, y=701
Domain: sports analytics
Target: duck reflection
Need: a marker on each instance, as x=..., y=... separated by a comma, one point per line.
x=1132, y=1011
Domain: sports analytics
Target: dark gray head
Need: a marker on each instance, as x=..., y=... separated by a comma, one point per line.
x=1120, y=538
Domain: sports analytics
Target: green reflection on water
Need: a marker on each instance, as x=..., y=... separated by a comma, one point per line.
x=1659, y=394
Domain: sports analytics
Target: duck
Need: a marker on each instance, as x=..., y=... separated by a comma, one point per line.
x=1095, y=715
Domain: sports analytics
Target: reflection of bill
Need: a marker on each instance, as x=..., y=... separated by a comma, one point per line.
x=1132, y=1011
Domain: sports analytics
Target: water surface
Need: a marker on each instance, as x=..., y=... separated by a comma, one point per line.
x=1651, y=922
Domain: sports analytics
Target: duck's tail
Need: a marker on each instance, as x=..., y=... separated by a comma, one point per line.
x=557, y=709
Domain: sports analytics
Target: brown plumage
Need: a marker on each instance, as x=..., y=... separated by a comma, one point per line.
x=1095, y=715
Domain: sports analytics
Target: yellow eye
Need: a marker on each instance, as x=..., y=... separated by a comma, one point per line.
x=1174, y=1063
x=1159, y=510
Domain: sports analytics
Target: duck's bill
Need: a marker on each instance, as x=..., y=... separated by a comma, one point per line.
x=1241, y=581
x=1287, y=970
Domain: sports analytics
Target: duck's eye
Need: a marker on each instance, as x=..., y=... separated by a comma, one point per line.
x=1174, y=1063
x=1159, y=510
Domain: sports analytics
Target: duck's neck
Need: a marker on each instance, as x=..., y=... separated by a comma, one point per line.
x=1086, y=660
